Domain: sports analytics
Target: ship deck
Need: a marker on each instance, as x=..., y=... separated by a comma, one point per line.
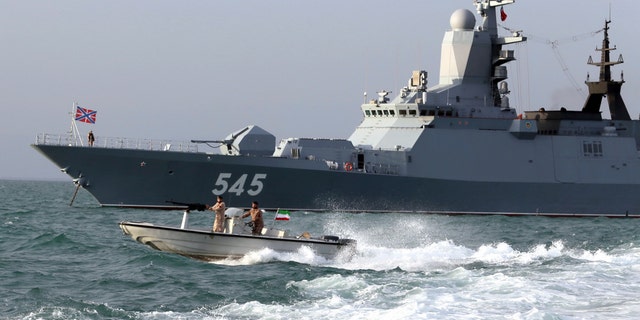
x=117, y=143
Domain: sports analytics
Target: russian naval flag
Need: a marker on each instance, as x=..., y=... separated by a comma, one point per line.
x=85, y=115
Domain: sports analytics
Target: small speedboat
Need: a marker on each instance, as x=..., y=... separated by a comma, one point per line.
x=234, y=242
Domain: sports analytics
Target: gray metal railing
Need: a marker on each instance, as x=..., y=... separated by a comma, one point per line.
x=117, y=143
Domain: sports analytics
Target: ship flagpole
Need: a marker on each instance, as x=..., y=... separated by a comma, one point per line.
x=72, y=133
x=74, y=127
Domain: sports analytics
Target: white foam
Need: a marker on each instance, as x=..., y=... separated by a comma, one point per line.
x=446, y=280
x=303, y=255
x=434, y=255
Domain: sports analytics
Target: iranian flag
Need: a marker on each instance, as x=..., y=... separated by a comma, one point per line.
x=282, y=215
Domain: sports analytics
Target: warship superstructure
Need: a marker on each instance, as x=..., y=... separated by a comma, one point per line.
x=454, y=147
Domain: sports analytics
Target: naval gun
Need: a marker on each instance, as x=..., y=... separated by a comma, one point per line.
x=250, y=140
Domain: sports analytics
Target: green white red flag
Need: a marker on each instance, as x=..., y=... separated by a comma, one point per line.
x=282, y=215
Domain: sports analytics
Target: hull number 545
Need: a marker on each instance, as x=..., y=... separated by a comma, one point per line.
x=226, y=183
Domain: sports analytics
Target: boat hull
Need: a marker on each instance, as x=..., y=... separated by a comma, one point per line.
x=207, y=245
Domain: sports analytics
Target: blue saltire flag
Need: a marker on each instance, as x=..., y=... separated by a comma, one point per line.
x=85, y=115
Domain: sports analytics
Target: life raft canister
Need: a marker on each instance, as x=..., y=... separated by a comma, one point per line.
x=348, y=166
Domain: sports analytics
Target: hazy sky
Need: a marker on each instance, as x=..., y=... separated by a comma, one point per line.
x=184, y=70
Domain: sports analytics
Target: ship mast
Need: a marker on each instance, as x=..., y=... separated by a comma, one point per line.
x=604, y=85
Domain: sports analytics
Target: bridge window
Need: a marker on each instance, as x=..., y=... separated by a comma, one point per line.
x=295, y=153
x=592, y=148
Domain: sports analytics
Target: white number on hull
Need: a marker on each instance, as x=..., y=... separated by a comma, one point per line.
x=238, y=187
x=257, y=183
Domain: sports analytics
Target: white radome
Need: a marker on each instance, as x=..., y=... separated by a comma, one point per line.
x=462, y=19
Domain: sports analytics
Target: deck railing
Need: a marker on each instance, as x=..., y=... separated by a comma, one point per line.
x=117, y=143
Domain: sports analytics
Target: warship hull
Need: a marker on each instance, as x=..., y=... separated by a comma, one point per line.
x=536, y=184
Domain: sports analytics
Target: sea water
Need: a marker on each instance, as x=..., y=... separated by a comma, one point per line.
x=72, y=262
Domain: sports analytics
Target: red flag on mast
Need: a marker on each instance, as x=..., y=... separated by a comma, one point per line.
x=503, y=15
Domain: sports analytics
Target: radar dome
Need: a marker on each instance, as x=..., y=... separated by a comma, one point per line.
x=462, y=19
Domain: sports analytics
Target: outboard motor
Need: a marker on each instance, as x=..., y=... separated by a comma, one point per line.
x=233, y=222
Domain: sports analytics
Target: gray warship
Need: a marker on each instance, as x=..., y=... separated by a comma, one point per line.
x=457, y=147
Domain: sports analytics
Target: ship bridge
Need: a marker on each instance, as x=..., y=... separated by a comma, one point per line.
x=386, y=128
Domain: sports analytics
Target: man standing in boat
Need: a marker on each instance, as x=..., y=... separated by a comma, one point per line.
x=256, y=218
x=218, y=208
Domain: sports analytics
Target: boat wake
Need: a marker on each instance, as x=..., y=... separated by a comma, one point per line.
x=304, y=255
x=443, y=256
x=444, y=280
x=440, y=256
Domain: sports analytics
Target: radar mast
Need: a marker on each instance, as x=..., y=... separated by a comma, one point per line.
x=605, y=85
